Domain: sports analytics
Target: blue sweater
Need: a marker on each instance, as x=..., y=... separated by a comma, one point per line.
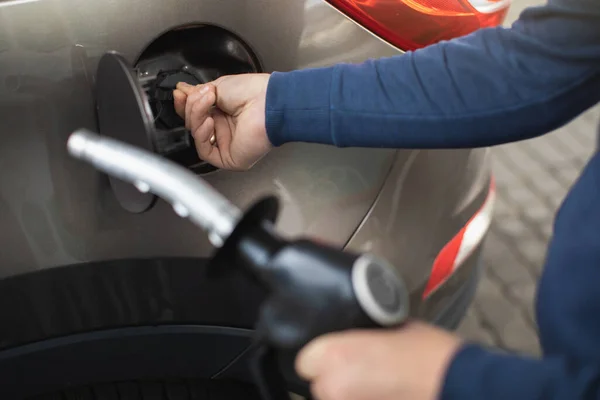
x=491, y=87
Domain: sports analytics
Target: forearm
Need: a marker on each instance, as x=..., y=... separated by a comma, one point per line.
x=493, y=86
x=479, y=374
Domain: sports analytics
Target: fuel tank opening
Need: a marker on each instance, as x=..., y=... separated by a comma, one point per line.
x=194, y=54
x=135, y=102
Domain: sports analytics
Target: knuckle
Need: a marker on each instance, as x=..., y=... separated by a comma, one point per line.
x=195, y=89
x=211, y=98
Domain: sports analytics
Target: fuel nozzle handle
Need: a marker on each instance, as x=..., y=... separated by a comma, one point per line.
x=312, y=288
x=316, y=289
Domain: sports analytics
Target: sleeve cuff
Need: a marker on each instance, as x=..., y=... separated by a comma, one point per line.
x=298, y=106
x=463, y=368
x=479, y=373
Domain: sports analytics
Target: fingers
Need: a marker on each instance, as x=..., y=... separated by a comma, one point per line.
x=340, y=365
x=223, y=134
x=317, y=355
x=202, y=135
x=186, y=88
x=195, y=104
x=179, y=99
x=186, y=95
x=216, y=126
x=329, y=364
x=201, y=104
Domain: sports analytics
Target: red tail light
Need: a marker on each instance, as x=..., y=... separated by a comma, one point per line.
x=411, y=24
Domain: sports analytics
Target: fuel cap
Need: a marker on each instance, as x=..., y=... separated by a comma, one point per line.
x=124, y=113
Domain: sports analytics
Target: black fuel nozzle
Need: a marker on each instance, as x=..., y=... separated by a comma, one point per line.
x=312, y=288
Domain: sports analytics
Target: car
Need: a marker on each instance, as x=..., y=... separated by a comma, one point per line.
x=104, y=290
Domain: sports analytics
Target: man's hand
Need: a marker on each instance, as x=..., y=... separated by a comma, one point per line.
x=237, y=122
x=406, y=363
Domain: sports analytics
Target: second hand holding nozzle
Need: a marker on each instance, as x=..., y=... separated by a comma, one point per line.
x=313, y=289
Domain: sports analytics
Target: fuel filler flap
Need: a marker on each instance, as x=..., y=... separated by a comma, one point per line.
x=135, y=105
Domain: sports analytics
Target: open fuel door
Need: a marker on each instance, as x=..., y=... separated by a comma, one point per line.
x=135, y=105
x=135, y=102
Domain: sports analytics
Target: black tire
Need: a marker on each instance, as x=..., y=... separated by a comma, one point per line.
x=202, y=389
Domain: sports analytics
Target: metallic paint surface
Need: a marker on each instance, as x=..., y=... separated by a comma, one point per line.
x=59, y=212
x=56, y=212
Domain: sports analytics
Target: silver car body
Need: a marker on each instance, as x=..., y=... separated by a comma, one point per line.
x=404, y=205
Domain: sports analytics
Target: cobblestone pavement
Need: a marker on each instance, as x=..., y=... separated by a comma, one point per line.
x=532, y=179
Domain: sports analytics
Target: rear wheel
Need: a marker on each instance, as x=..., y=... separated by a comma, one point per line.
x=201, y=389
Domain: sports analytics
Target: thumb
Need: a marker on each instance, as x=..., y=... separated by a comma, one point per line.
x=180, y=96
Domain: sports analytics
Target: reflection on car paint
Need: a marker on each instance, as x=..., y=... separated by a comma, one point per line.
x=399, y=186
x=292, y=212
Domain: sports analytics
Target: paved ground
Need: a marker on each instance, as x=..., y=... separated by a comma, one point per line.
x=532, y=180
